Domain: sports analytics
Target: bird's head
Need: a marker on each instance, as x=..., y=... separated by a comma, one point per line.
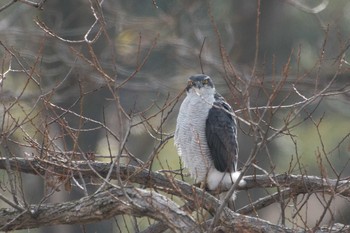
x=200, y=84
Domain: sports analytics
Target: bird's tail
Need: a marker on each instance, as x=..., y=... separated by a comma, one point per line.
x=231, y=201
x=229, y=180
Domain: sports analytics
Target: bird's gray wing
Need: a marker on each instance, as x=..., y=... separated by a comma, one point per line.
x=221, y=133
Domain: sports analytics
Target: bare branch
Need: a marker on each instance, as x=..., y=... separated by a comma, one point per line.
x=113, y=201
x=102, y=205
x=298, y=184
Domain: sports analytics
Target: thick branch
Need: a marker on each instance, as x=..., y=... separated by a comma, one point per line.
x=298, y=184
x=113, y=202
x=99, y=207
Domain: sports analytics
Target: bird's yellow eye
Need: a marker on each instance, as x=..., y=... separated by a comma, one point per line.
x=205, y=81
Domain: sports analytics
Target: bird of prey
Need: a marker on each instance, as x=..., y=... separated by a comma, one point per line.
x=206, y=135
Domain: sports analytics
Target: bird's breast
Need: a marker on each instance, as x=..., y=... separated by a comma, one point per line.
x=190, y=137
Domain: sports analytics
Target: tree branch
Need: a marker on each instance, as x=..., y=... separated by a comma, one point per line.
x=298, y=184
x=100, y=206
x=112, y=202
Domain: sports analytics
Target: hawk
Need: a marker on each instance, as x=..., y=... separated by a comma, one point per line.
x=206, y=135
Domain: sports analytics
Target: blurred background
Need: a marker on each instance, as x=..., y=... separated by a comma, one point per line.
x=310, y=36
